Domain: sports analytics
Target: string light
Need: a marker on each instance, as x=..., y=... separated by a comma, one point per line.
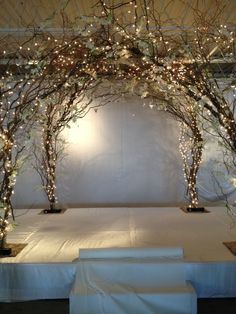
x=191, y=153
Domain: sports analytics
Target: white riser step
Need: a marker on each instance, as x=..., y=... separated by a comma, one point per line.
x=132, y=281
x=120, y=299
x=130, y=252
x=132, y=272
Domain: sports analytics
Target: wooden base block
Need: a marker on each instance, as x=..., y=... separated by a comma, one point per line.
x=231, y=246
x=12, y=249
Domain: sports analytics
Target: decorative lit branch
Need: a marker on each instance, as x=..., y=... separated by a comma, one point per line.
x=67, y=104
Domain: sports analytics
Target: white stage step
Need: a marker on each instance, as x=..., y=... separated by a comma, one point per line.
x=121, y=299
x=131, y=285
x=170, y=253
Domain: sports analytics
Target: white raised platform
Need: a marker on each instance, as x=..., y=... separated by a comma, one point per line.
x=46, y=267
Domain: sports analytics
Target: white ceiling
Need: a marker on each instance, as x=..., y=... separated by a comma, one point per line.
x=21, y=14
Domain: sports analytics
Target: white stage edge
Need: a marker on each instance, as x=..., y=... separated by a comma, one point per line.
x=46, y=268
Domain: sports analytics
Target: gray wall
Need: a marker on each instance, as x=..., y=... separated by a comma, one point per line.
x=126, y=153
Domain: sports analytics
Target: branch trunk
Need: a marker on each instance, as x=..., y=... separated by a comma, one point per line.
x=50, y=171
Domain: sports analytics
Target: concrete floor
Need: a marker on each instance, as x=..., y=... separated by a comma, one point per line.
x=205, y=306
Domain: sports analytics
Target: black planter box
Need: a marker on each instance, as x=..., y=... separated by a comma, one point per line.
x=195, y=209
x=5, y=251
x=52, y=211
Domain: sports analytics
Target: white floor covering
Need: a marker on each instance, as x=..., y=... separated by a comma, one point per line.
x=57, y=238
x=46, y=266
